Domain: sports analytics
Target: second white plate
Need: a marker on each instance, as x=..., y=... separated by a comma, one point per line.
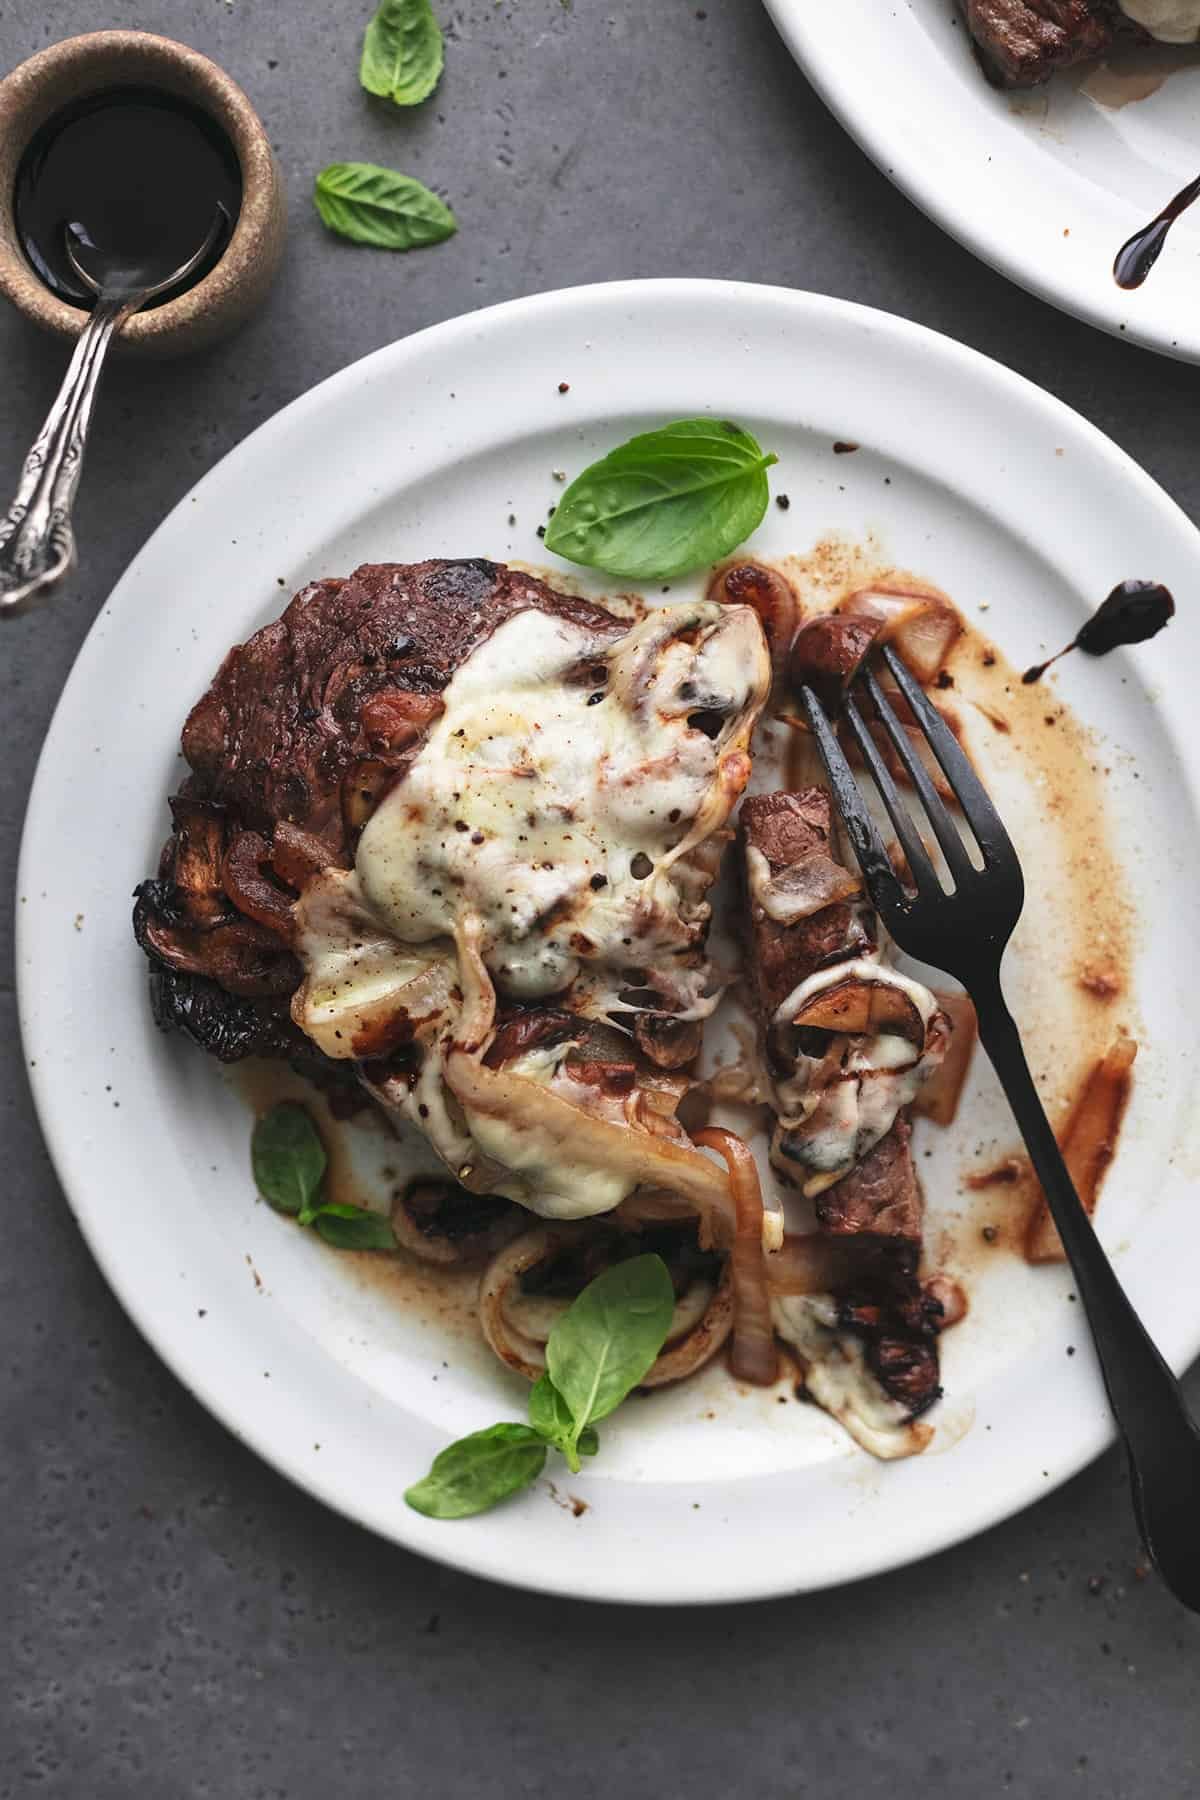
x=1046, y=186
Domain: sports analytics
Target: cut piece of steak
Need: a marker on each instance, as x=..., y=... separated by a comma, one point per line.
x=878, y=1203
x=785, y=829
x=1024, y=42
x=881, y=1196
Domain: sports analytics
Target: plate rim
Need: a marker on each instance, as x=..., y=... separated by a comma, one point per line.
x=801, y=28
x=471, y=1554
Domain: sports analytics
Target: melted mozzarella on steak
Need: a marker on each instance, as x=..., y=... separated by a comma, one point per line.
x=563, y=801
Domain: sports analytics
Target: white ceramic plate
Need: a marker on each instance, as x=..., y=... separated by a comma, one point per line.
x=1046, y=186
x=967, y=474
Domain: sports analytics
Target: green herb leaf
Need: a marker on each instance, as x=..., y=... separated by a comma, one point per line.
x=665, y=502
x=608, y=1339
x=288, y=1158
x=550, y=1416
x=549, y=1413
x=479, y=1471
x=381, y=207
x=352, y=1227
x=402, y=52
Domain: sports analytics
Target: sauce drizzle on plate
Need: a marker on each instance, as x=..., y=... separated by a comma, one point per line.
x=1133, y=612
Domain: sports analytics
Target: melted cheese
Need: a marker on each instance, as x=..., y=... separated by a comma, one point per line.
x=837, y=1376
x=562, y=803
x=555, y=809
x=835, y=1108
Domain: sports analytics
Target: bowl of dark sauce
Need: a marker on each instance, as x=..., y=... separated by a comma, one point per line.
x=139, y=142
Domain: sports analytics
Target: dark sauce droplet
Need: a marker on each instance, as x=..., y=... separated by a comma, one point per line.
x=1133, y=612
x=1136, y=258
x=140, y=170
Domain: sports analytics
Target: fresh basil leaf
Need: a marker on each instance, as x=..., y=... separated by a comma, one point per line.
x=287, y=1158
x=352, y=1227
x=608, y=1338
x=665, y=502
x=402, y=52
x=549, y=1413
x=552, y=1418
x=479, y=1471
x=378, y=206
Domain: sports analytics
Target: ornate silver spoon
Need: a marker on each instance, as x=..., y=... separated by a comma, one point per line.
x=37, y=544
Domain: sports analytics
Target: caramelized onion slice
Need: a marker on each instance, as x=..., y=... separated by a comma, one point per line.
x=770, y=594
x=1088, y=1144
x=921, y=621
x=539, y=1115
x=939, y=1097
x=688, y=1351
x=812, y=1262
x=861, y=1008
x=296, y=855
x=415, y=1224
x=701, y=1323
x=800, y=889
x=754, y=1355
x=252, y=891
x=524, y=1354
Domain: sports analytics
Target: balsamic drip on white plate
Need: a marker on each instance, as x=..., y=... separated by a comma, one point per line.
x=1135, y=259
x=1133, y=612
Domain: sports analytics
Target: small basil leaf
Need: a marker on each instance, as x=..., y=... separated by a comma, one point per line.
x=550, y=1416
x=402, y=52
x=608, y=1339
x=665, y=502
x=378, y=206
x=479, y=1471
x=352, y=1227
x=287, y=1158
x=549, y=1413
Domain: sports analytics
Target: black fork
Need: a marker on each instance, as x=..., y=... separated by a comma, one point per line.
x=965, y=932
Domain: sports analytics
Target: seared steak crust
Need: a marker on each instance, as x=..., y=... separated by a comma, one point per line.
x=1023, y=42
x=898, y=1321
x=349, y=674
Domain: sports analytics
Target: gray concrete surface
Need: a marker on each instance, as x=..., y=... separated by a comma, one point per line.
x=176, y=1620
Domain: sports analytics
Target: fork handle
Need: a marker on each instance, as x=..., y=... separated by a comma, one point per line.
x=1161, y=1442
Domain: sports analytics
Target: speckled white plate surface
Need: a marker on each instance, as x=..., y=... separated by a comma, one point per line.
x=1045, y=185
x=965, y=473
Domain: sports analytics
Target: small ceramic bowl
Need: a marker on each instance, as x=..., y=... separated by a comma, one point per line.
x=83, y=65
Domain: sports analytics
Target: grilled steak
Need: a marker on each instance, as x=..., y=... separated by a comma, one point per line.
x=302, y=731
x=880, y=1197
x=1023, y=42
x=350, y=674
x=878, y=1203
x=786, y=829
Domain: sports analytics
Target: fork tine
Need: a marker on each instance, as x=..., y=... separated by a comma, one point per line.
x=883, y=885
x=972, y=796
x=944, y=828
x=924, y=874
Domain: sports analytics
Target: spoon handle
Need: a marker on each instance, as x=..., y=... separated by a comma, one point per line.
x=37, y=544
